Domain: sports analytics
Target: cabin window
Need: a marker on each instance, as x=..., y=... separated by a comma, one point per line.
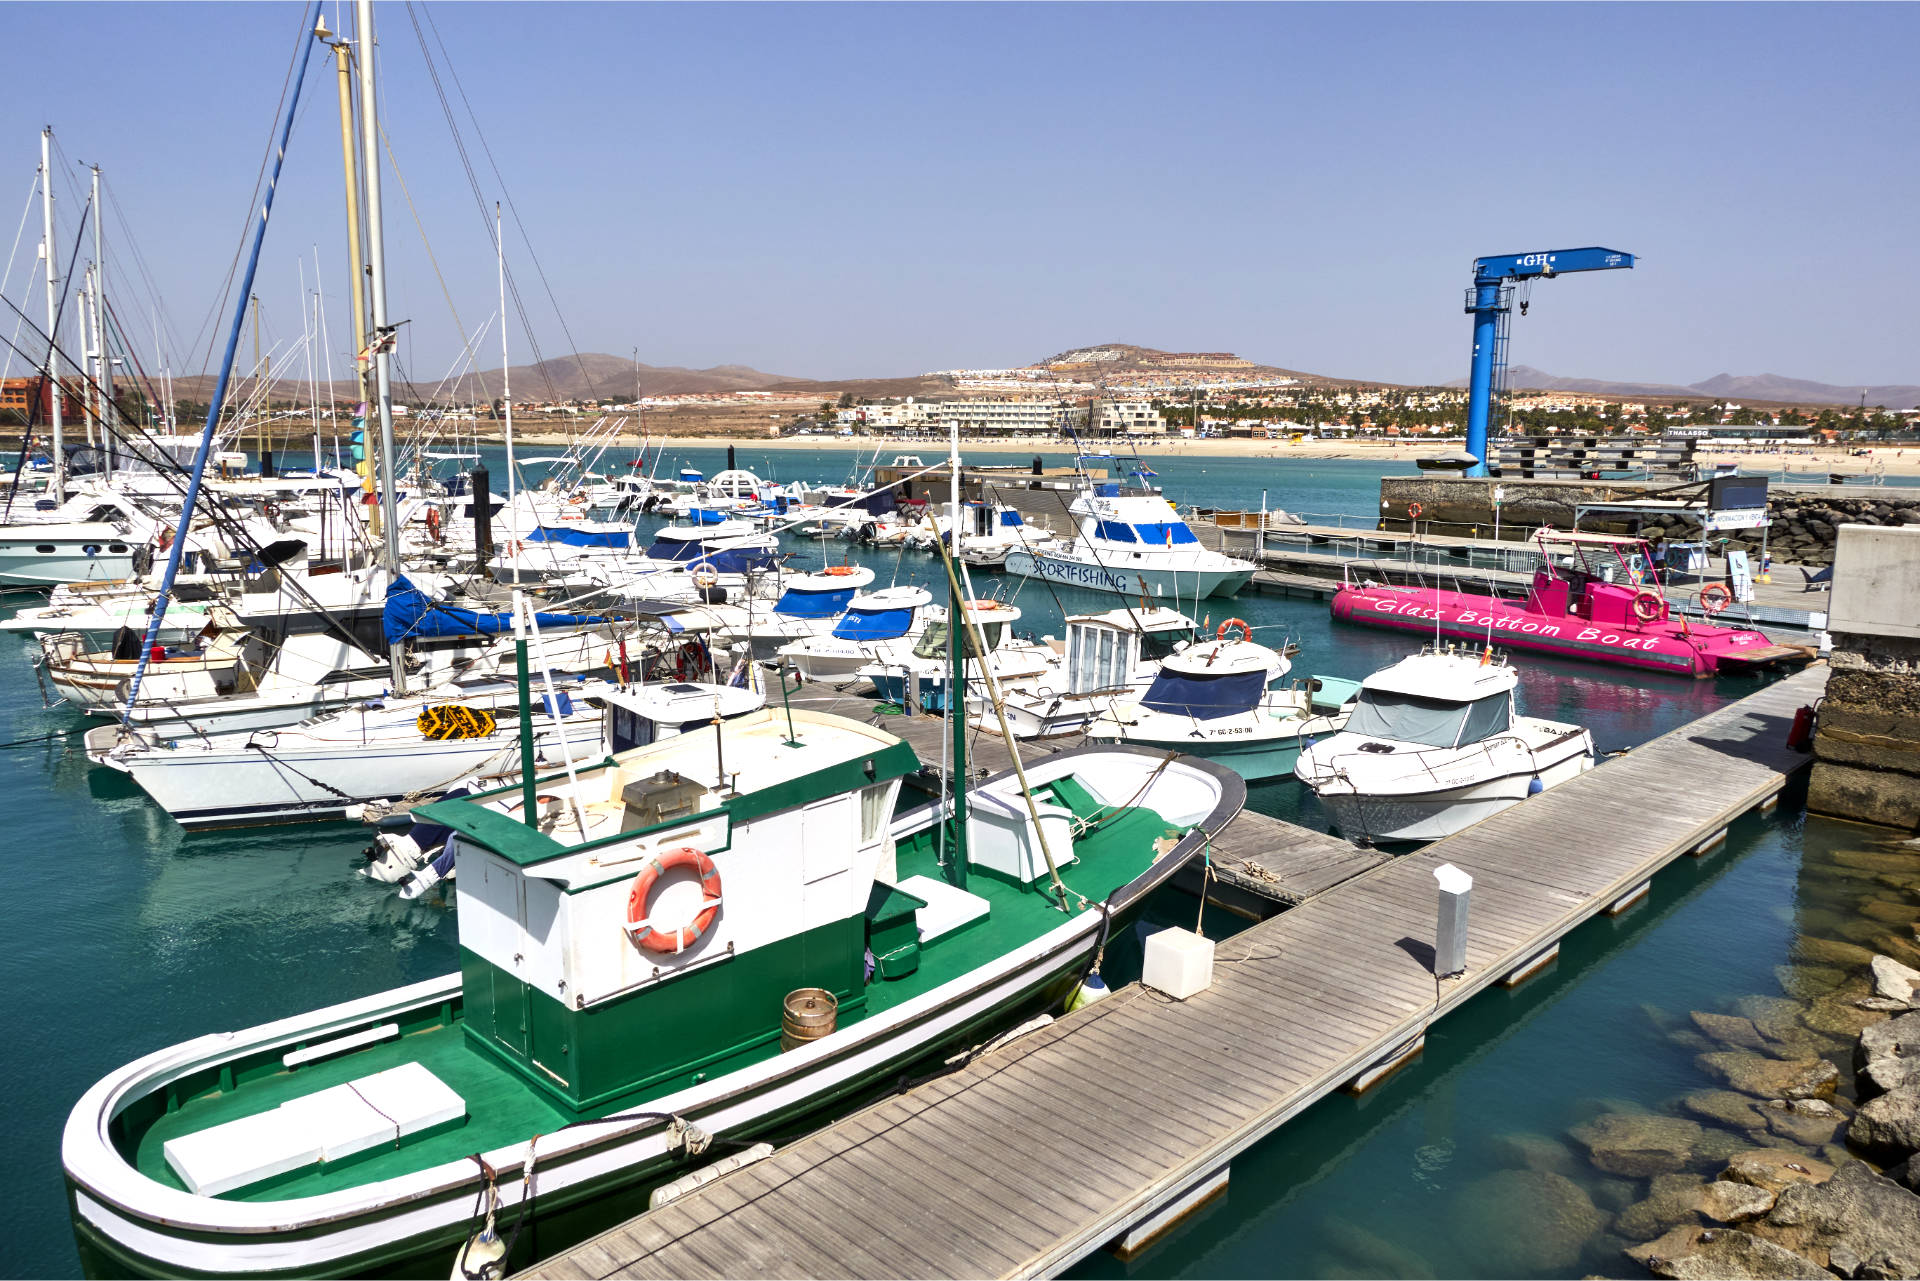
x=873, y=812
x=933, y=641
x=44, y=548
x=1430, y=722
x=1166, y=533
x=1155, y=646
x=1113, y=531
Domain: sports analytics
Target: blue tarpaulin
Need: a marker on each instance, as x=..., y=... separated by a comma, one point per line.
x=874, y=624
x=734, y=560
x=799, y=603
x=1204, y=697
x=582, y=537
x=411, y=614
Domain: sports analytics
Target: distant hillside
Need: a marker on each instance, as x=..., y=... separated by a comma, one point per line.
x=593, y=375
x=1755, y=388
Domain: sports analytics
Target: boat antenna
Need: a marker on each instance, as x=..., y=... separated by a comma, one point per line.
x=218, y=400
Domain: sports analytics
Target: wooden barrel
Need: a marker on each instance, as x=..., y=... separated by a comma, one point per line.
x=806, y=1015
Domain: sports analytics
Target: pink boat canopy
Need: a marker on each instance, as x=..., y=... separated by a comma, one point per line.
x=1574, y=613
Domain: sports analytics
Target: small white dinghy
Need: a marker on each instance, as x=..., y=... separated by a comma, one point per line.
x=1433, y=746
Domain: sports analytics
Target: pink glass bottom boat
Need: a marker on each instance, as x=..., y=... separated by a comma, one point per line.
x=1573, y=612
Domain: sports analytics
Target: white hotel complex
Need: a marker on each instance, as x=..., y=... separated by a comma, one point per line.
x=1005, y=416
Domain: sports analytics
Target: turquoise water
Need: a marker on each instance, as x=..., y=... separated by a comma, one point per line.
x=129, y=936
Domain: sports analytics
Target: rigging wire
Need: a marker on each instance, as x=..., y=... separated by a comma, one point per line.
x=33, y=189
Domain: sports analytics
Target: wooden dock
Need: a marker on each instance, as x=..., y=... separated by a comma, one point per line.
x=1095, y=1129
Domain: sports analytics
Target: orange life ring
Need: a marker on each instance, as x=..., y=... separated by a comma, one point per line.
x=1647, y=605
x=1246, y=632
x=838, y=571
x=1714, y=597
x=984, y=606
x=433, y=523
x=1414, y=510
x=642, y=931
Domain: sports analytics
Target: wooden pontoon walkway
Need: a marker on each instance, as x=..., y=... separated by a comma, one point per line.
x=1041, y=1152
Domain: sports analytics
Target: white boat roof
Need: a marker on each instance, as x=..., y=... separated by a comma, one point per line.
x=991, y=611
x=1459, y=676
x=675, y=702
x=1227, y=658
x=855, y=576
x=1156, y=619
x=892, y=598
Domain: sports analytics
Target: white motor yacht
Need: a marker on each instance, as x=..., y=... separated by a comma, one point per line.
x=878, y=627
x=1136, y=545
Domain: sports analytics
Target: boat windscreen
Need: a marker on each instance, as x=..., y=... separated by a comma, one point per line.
x=1204, y=697
x=1430, y=722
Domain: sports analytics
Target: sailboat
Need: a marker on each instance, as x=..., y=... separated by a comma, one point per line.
x=685, y=944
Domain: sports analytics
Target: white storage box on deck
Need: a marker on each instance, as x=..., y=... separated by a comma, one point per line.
x=1178, y=962
x=947, y=906
x=327, y=1125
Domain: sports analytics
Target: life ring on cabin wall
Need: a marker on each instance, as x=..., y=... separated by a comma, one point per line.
x=1647, y=606
x=1246, y=632
x=704, y=575
x=1714, y=597
x=644, y=933
x=1414, y=511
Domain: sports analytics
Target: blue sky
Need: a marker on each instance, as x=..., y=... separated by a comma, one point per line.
x=874, y=190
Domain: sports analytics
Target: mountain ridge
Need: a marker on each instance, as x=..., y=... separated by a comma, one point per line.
x=1768, y=388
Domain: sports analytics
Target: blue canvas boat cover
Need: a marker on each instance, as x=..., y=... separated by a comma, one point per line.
x=797, y=602
x=582, y=537
x=1204, y=697
x=874, y=624
x=410, y=614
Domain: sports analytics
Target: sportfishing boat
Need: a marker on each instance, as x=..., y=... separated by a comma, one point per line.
x=879, y=627
x=919, y=677
x=1108, y=656
x=1433, y=745
x=1136, y=545
x=1217, y=700
x=687, y=944
x=1601, y=600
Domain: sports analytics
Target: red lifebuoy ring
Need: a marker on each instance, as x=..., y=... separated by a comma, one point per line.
x=1246, y=632
x=433, y=523
x=643, y=931
x=1714, y=597
x=1414, y=510
x=1647, y=605
x=691, y=663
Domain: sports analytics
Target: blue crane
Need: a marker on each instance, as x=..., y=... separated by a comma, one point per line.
x=1490, y=302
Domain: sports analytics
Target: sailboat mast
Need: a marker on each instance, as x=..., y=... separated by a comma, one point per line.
x=59, y=484
x=377, y=306
x=104, y=376
x=956, y=675
x=506, y=384
x=357, y=275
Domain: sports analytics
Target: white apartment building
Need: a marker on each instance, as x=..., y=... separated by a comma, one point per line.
x=1130, y=418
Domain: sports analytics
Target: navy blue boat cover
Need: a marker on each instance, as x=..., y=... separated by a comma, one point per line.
x=874, y=624
x=1204, y=697
x=410, y=614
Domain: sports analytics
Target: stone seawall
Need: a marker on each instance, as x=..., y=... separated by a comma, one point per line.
x=1802, y=533
x=1867, y=751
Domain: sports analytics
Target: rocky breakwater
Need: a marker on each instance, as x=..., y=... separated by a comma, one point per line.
x=1867, y=746
x=1803, y=525
x=1795, y=1157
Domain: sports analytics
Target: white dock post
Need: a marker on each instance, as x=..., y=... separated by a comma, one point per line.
x=1450, y=935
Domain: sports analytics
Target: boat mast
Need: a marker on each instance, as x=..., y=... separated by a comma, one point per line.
x=343, y=59
x=506, y=387
x=59, y=482
x=103, y=378
x=89, y=348
x=956, y=675
x=377, y=305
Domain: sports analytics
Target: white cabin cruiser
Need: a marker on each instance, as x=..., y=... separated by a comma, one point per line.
x=1217, y=700
x=878, y=627
x=1434, y=746
x=1136, y=545
x=809, y=605
x=918, y=678
x=1107, y=656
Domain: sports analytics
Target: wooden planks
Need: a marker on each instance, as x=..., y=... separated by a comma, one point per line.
x=1284, y=861
x=1041, y=1152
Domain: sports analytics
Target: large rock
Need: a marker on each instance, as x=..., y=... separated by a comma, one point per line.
x=1811, y=947
x=1528, y=1151
x=1776, y=1168
x=1837, y=1014
x=1722, y=1254
x=1889, y=1126
x=1811, y=1123
x=1638, y=1144
x=1890, y=911
x=1672, y=1199
x=1367, y=1254
x=1778, y=1019
x=1767, y=1078
x=1525, y=1223
x=1805, y=981
x=1730, y=1030
x=1727, y=1107
x=1892, y=979
x=1889, y=1053
x=1857, y=1223
x=1724, y=1201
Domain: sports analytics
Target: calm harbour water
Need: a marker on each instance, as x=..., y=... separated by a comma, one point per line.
x=131, y=936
